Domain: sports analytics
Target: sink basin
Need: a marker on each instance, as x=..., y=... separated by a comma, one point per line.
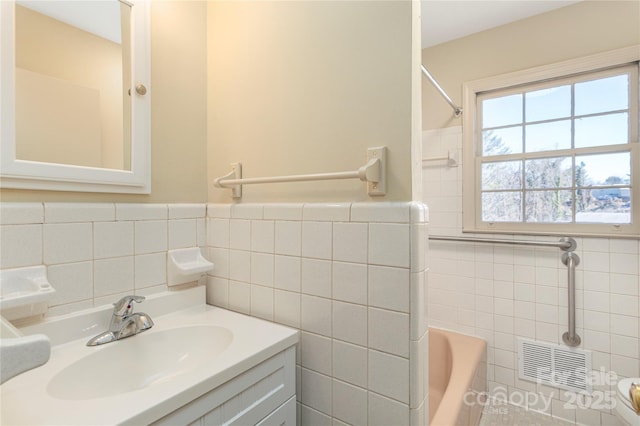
x=139, y=361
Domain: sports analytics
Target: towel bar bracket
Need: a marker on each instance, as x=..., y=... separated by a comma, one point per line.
x=376, y=181
x=570, y=245
x=235, y=173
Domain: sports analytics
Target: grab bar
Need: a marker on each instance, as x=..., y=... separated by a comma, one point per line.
x=565, y=243
x=374, y=172
x=571, y=260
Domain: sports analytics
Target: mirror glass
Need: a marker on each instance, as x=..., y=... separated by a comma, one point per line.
x=68, y=119
x=71, y=61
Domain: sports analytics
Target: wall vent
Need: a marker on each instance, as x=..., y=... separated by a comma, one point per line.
x=553, y=365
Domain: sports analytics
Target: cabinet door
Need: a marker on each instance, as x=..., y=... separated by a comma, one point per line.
x=285, y=415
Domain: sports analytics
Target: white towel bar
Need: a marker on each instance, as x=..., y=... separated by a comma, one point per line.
x=452, y=161
x=374, y=172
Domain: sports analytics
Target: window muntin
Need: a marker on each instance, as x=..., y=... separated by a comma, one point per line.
x=558, y=152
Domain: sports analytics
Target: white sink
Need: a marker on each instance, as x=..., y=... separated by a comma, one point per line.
x=139, y=361
x=192, y=349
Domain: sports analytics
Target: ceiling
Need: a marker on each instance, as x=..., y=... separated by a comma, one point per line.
x=101, y=18
x=442, y=20
x=445, y=20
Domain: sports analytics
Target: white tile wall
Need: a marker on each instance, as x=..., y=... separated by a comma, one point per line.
x=20, y=245
x=75, y=212
x=501, y=293
x=96, y=252
x=349, y=276
x=21, y=213
x=111, y=239
x=150, y=236
x=68, y=242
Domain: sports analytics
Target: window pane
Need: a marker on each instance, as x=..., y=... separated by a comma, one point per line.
x=502, y=175
x=502, y=141
x=548, y=173
x=502, y=111
x=603, y=169
x=548, y=136
x=602, y=95
x=502, y=207
x=548, y=104
x=548, y=206
x=607, y=129
x=603, y=205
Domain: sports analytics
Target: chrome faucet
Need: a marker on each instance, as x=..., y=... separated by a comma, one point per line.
x=124, y=322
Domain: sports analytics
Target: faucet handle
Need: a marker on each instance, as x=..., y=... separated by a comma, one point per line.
x=124, y=306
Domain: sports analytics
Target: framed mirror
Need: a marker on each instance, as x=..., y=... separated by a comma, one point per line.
x=74, y=95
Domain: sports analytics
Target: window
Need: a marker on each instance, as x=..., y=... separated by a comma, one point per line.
x=558, y=155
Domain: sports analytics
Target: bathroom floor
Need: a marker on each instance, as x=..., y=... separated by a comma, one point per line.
x=505, y=414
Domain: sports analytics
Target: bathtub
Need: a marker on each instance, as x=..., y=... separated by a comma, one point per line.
x=457, y=365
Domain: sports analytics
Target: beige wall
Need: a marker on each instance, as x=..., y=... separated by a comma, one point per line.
x=178, y=111
x=293, y=87
x=306, y=87
x=578, y=30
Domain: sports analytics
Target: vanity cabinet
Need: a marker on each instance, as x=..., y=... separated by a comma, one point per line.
x=263, y=395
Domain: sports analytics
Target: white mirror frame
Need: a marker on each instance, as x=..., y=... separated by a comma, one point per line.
x=24, y=174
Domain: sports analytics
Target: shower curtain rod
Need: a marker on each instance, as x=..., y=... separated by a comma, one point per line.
x=456, y=109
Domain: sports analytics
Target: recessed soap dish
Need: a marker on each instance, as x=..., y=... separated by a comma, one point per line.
x=186, y=265
x=24, y=292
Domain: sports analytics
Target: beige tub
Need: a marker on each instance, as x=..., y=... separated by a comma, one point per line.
x=457, y=365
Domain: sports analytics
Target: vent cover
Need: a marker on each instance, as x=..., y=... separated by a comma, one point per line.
x=558, y=366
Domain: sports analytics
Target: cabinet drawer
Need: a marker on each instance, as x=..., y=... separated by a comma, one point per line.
x=245, y=399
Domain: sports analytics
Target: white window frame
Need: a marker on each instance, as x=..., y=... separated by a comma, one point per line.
x=471, y=203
